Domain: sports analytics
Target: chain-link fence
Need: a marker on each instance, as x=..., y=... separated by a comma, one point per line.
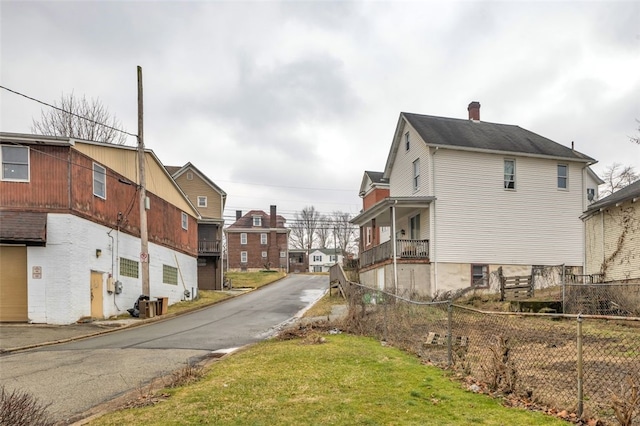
x=582, y=364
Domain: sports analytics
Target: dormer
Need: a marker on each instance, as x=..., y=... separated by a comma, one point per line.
x=257, y=221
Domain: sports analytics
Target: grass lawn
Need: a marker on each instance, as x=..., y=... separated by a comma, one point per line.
x=346, y=380
x=253, y=279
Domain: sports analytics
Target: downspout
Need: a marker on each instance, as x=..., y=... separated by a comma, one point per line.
x=432, y=253
x=395, y=257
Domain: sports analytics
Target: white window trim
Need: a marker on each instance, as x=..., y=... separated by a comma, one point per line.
x=204, y=199
x=407, y=142
x=257, y=221
x=28, y=179
x=566, y=177
x=416, y=174
x=244, y=258
x=104, y=176
x=243, y=238
x=283, y=254
x=263, y=238
x=504, y=176
x=185, y=221
x=264, y=254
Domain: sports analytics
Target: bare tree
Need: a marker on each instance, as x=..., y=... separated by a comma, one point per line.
x=616, y=176
x=636, y=139
x=324, y=231
x=304, y=228
x=98, y=124
x=345, y=231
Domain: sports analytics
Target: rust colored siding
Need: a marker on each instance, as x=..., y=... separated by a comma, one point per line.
x=47, y=188
x=373, y=197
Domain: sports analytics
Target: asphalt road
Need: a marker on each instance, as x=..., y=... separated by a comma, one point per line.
x=76, y=376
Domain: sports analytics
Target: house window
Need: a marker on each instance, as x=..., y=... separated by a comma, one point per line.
x=369, y=235
x=189, y=176
x=243, y=238
x=333, y=258
x=128, y=268
x=99, y=181
x=264, y=254
x=257, y=221
x=283, y=254
x=416, y=174
x=562, y=176
x=169, y=275
x=317, y=269
x=509, y=174
x=15, y=163
x=185, y=221
x=263, y=238
x=317, y=258
x=202, y=201
x=480, y=275
x=407, y=142
x=243, y=257
x=591, y=194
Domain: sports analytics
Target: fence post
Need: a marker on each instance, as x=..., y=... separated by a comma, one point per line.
x=564, y=286
x=449, y=329
x=580, y=367
x=386, y=323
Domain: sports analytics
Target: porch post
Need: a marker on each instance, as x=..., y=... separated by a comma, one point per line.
x=395, y=245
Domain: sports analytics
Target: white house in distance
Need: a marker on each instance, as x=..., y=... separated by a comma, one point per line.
x=467, y=197
x=320, y=260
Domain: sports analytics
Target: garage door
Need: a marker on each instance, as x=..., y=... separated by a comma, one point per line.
x=13, y=283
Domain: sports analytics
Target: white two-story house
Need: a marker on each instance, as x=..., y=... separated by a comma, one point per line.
x=321, y=260
x=467, y=197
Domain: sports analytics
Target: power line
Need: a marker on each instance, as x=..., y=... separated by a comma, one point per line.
x=284, y=186
x=68, y=112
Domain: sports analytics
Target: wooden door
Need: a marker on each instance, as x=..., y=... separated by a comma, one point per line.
x=96, y=295
x=13, y=283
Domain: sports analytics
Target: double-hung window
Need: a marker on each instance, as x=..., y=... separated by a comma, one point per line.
x=15, y=163
x=416, y=174
x=257, y=221
x=407, y=142
x=243, y=238
x=263, y=238
x=185, y=221
x=202, y=201
x=243, y=257
x=563, y=176
x=99, y=181
x=509, y=174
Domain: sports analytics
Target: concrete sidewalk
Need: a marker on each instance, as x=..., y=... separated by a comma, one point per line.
x=18, y=336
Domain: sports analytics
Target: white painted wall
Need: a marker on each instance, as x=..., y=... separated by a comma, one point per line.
x=63, y=295
x=325, y=261
x=478, y=221
x=401, y=179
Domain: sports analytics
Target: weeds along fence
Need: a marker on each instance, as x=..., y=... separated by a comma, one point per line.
x=579, y=363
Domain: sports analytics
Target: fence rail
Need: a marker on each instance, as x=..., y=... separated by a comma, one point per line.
x=569, y=362
x=405, y=249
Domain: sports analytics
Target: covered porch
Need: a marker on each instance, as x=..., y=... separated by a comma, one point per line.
x=407, y=240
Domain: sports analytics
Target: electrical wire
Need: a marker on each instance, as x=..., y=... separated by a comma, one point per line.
x=68, y=112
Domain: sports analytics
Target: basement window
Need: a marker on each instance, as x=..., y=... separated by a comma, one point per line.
x=480, y=275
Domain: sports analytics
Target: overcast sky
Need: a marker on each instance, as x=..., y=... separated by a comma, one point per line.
x=288, y=103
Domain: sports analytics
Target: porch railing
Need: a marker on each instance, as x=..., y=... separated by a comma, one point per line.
x=405, y=249
x=209, y=247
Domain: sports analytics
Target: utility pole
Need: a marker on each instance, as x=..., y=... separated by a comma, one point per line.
x=144, y=237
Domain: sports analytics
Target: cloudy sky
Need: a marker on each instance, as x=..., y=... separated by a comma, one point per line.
x=288, y=103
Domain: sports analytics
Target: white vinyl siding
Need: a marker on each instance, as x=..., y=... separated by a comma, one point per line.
x=401, y=177
x=416, y=174
x=478, y=222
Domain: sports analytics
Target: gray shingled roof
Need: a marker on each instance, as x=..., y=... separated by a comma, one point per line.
x=246, y=221
x=481, y=135
x=376, y=177
x=627, y=193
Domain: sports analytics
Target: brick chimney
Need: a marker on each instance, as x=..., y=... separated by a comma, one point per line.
x=272, y=220
x=474, y=111
x=238, y=214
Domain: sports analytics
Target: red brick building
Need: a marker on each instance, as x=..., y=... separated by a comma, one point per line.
x=257, y=241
